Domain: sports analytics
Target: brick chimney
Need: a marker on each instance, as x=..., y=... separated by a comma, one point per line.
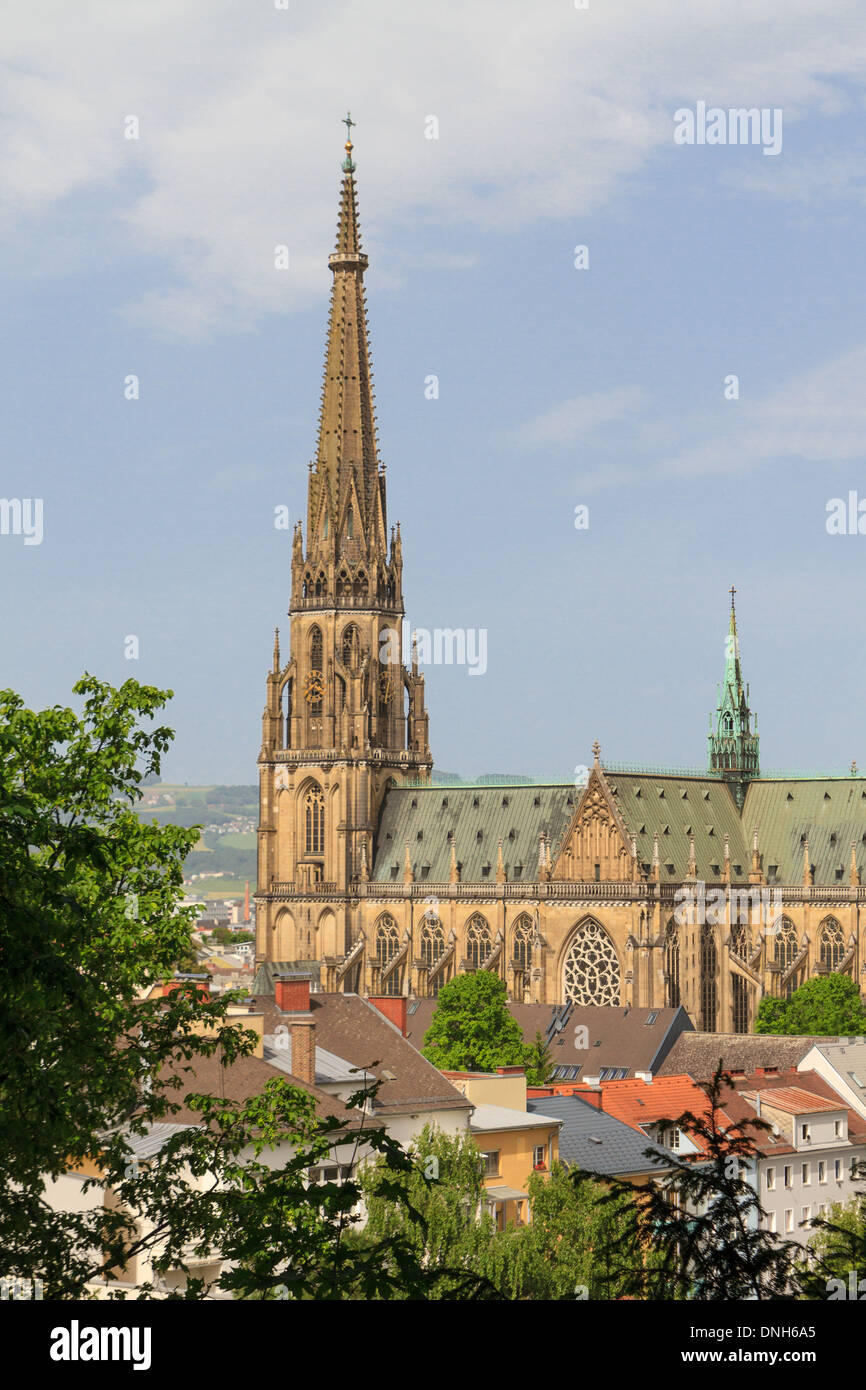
x=292, y=993
x=303, y=1033
x=393, y=1006
x=201, y=982
x=594, y=1097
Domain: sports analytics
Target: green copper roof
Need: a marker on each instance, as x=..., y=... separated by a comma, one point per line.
x=830, y=811
x=675, y=807
x=477, y=817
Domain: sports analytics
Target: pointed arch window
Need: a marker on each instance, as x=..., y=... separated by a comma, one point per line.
x=709, y=985
x=316, y=649
x=832, y=943
x=741, y=941
x=522, y=948
x=349, y=646
x=477, y=940
x=591, y=973
x=786, y=950
x=672, y=965
x=387, y=947
x=740, y=1003
x=314, y=821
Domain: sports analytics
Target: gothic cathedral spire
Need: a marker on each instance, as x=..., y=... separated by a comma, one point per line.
x=344, y=718
x=732, y=745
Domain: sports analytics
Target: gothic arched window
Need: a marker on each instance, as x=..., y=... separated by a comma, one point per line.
x=477, y=941
x=709, y=988
x=387, y=947
x=522, y=949
x=590, y=972
x=740, y=999
x=728, y=724
x=832, y=943
x=672, y=965
x=314, y=821
x=741, y=941
x=316, y=648
x=786, y=949
x=349, y=646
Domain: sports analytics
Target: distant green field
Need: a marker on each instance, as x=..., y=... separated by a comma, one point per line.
x=214, y=889
x=239, y=839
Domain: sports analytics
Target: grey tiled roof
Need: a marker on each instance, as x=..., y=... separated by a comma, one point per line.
x=621, y=1150
x=636, y=1039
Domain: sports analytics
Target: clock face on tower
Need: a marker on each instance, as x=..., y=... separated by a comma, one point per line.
x=314, y=687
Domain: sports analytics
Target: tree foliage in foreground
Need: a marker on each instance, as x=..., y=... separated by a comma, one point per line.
x=704, y=1218
x=826, y=1006
x=89, y=922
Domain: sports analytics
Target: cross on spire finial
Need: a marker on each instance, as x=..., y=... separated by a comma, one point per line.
x=348, y=163
x=733, y=591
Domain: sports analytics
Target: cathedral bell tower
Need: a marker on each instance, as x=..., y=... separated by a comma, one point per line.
x=344, y=716
x=732, y=745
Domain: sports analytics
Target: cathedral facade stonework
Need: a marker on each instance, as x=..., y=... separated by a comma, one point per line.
x=642, y=886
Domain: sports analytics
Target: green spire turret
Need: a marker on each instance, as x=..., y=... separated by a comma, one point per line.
x=732, y=745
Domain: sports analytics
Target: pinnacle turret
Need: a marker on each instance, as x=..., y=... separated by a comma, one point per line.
x=732, y=744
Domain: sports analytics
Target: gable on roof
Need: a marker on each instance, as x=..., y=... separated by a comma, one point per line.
x=596, y=844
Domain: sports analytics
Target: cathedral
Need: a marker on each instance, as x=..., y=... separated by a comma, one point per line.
x=634, y=886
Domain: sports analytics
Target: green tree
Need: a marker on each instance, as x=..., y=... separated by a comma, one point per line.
x=705, y=1218
x=89, y=921
x=440, y=1214
x=539, y=1063
x=836, y=1251
x=826, y=1005
x=471, y=1029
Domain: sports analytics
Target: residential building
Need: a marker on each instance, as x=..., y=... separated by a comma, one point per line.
x=514, y=1140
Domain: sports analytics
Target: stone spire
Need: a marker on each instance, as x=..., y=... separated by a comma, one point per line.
x=346, y=483
x=732, y=745
x=276, y=651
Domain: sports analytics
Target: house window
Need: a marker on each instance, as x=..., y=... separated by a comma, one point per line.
x=491, y=1163
x=805, y=1133
x=807, y=1213
x=822, y=1170
x=771, y=1221
x=837, y=1128
x=807, y=1174
x=837, y=1170
x=771, y=1179
x=789, y=1219
x=538, y=1156
x=788, y=1175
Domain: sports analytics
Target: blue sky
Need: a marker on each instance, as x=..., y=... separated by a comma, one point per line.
x=558, y=386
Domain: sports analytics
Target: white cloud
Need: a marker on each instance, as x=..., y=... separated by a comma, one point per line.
x=544, y=112
x=576, y=418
